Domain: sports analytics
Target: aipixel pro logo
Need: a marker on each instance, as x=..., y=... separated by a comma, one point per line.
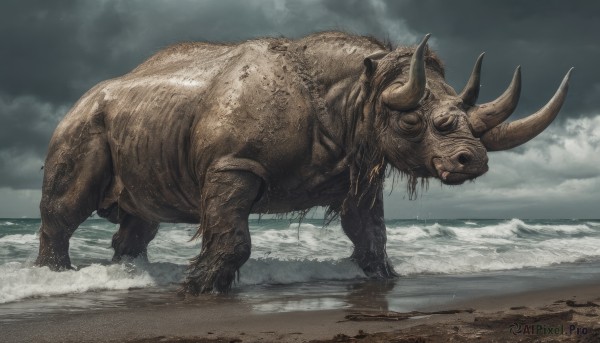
x=546, y=330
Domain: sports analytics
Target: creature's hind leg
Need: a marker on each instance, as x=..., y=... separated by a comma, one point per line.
x=75, y=175
x=227, y=199
x=133, y=237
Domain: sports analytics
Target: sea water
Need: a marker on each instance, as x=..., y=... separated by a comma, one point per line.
x=290, y=258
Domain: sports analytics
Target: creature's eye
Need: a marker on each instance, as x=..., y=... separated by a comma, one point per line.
x=446, y=122
x=410, y=125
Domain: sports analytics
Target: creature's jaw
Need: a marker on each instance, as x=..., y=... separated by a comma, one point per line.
x=451, y=175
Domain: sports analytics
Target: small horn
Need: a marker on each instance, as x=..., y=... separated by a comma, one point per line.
x=377, y=55
x=403, y=97
x=483, y=118
x=471, y=91
x=510, y=135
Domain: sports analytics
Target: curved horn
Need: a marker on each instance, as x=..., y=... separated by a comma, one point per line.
x=403, y=97
x=510, y=135
x=484, y=117
x=471, y=91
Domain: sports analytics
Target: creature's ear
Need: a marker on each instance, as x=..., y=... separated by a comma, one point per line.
x=371, y=62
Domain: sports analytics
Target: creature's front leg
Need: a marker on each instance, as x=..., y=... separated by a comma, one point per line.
x=227, y=199
x=363, y=222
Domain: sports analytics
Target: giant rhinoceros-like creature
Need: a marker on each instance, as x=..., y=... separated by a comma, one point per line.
x=210, y=133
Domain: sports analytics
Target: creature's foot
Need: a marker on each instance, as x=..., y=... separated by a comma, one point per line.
x=375, y=266
x=124, y=257
x=206, y=277
x=127, y=251
x=53, y=254
x=131, y=241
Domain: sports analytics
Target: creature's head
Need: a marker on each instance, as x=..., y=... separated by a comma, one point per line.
x=424, y=128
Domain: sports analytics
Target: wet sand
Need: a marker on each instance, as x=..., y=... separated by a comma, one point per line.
x=549, y=315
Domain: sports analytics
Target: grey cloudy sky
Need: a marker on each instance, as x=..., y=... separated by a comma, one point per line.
x=51, y=52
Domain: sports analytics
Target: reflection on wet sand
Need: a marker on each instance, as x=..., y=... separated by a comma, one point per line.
x=370, y=294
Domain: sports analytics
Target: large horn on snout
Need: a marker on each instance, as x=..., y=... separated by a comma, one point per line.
x=486, y=116
x=403, y=97
x=510, y=135
x=470, y=93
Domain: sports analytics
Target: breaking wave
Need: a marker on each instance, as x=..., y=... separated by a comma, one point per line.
x=284, y=253
x=21, y=281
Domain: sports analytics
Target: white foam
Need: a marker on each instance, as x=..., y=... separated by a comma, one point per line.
x=502, y=230
x=483, y=259
x=505, y=232
x=309, y=242
x=554, y=228
x=19, y=239
x=406, y=234
x=19, y=281
x=491, y=254
x=173, y=245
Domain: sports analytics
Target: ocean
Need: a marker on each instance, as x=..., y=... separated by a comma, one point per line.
x=304, y=266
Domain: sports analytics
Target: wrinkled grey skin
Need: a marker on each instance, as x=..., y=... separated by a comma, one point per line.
x=209, y=133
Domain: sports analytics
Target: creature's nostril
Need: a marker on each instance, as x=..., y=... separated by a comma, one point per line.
x=464, y=158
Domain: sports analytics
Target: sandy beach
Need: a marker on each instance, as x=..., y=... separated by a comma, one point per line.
x=564, y=314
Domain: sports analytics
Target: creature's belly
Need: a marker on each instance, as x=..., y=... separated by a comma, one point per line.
x=150, y=200
x=159, y=209
x=279, y=199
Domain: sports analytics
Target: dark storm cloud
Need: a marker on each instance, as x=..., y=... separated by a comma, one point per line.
x=50, y=49
x=51, y=52
x=56, y=50
x=545, y=37
x=31, y=118
x=26, y=126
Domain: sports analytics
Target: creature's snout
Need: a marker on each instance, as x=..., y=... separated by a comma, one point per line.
x=463, y=158
x=469, y=160
x=463, y=165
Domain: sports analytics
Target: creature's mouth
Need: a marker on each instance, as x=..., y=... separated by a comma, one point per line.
x=454, y=178
x=448, y=176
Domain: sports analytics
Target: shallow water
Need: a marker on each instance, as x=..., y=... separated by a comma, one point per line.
x=303, y=267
